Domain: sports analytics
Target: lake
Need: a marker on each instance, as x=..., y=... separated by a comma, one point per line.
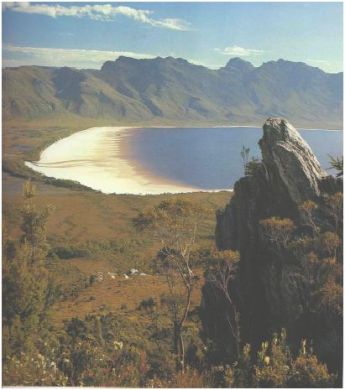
x=157, y=160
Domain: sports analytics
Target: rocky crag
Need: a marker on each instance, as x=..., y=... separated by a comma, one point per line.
x=272, y=285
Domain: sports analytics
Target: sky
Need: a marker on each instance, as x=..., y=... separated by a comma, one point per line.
x=85, y=35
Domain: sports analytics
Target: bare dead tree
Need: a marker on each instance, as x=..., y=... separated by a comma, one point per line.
x=221, y=274
x=174, y=224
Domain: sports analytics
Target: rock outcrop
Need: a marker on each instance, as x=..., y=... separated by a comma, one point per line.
x=272, y=285
x=289, y=158
x=288, y=174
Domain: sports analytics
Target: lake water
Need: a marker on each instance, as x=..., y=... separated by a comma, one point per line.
x=209, y=158
x=158, y=160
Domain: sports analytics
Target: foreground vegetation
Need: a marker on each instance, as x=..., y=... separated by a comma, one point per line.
x=132, y=346
x=79, y=247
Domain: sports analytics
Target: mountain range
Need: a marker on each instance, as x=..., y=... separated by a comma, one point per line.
x=175, y=90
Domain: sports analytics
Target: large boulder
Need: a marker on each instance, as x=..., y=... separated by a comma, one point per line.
x=288, y=157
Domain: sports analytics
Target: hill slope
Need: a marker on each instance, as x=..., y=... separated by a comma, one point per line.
x=173, y=89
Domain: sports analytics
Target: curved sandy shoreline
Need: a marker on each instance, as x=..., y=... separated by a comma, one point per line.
x=94, y=158
x=101, y=158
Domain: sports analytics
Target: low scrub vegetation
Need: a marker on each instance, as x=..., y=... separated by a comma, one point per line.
x=75, y=315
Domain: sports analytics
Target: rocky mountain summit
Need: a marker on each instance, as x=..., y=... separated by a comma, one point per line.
x=280, y=216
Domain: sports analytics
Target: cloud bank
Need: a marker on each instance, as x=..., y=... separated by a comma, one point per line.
x=101, y=12
x=78, y=58
x=239, y=51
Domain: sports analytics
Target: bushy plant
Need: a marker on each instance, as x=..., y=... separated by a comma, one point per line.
x=275, y=366
x=25, y=276
x=278, y=231
x=32, y=369
x=70, y=252
x=307, y=371
x=337, y=163
x=147, y=304
x=272, y=365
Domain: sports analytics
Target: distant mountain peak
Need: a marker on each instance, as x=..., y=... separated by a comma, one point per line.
x=124, y=59
x=121, y=61
x=238, y=64
x=286, y=63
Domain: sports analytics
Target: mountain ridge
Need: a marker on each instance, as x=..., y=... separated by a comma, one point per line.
x=175, y=89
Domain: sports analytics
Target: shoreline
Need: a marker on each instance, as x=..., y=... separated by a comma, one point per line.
x=221, y=127
x=104, y=164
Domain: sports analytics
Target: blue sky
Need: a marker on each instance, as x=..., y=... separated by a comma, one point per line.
x=85, y=35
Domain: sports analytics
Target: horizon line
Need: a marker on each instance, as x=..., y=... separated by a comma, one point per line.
x=189, y=61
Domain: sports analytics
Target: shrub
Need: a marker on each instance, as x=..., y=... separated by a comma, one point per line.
x=331, y=297
x=162, y=364
x=253, y=167
x=307, y=371
x=70, y=252
x=276, y=367
x=329, y=243
x=76, y=328
x=272, y=366
x=32, y=369
x=277, y=230
x=337, y=163
x=147, y=304
x=191, y=378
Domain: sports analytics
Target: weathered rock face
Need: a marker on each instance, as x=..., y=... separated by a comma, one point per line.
x=288, y=175
x=271, y=285
x=288, y=157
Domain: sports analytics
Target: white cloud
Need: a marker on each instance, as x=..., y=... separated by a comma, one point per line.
x=239, y=51
x=78, y=58
x=205, y=64
x=327, y=66
x=319, y=61
x=171, y=23
x=102, y=12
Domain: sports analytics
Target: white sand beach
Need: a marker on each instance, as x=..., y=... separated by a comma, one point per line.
x=94, y=158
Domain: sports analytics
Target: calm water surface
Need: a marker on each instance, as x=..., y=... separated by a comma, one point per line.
x=209, y=158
